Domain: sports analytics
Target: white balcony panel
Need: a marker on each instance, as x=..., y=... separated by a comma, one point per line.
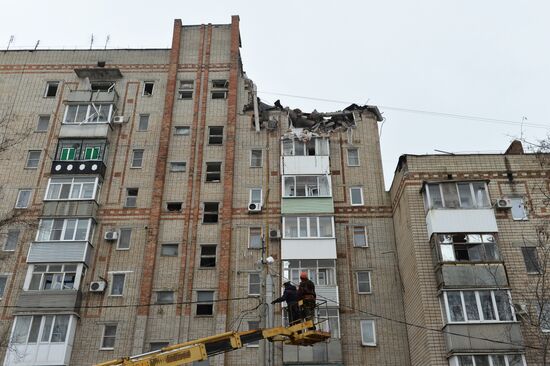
x=84, y=130
x=328, y=294
x=303, y=165
x=308, y=248
x=480, y=220
x=43, y=354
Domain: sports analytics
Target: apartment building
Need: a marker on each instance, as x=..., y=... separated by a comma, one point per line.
x=469, y=232
x=147, y=191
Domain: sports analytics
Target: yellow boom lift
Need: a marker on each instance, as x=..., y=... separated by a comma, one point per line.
x=302, y=333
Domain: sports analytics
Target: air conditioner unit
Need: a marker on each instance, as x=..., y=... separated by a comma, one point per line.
x=111, y=235
x=504, y=203
x=274, y=234
x=98, y=286
x=118, y=119
x=254, y=207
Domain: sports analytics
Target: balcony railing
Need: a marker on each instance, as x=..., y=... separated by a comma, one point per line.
x=483, y=337
x=51, y=300
x=97, y=96
x=73, y=209
x=473, y=220
x=78, y=167
x=460, y=275
x=60, y=252
x=296, y=165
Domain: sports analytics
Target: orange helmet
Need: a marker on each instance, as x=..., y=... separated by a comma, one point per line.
x=303, y=276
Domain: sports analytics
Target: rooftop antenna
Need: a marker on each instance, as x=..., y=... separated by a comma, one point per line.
x=107, y=41
x=10, y=42
x=523, y=119
x=91, y=41
x=36, y=45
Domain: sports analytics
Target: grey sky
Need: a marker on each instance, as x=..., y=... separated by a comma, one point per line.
x=480, y=58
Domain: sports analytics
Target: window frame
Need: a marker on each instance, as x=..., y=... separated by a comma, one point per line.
x=164, y=292
x=216, y=90
x=521, y=205
x=120, y=233
x=73, y=183
x=138, y=159
x=169, y=245
x=183, y=88
x=42, y=118
x=23, y=205
x=215, y=136
x=445, y=248
x=373, y=326
x=53, y=273
x=363, y=229
x=213, y=173
x=128, y=189
x=536, y=262
x=30, y=159
x=144, y=92
x=292, y=187
x=251, y=194
x=104, y=336
x=429, y=205
x=250, y=229
x=479, y=307
x=317, y=224
x=261, y=158
x=318, y=148
x=143, y=117
x=177, y=205
x=348, y=156
x=185, y=129
x=181, y=166
x=209, y=303
x=208, y=256
x=253, y=325
x=41, y=331
x=3, y=278
x=211, y=213
x=112, y=283
x=8, y=237
x=47, y=88
x=63, y=230
x=91, y=111
x=359, y=282
x=251, y=283
x=360, y=188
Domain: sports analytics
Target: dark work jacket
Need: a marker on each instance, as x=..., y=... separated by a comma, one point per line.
x=289, y=295
x=306, y=290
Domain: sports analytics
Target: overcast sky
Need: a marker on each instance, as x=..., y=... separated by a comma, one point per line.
x=485, y=59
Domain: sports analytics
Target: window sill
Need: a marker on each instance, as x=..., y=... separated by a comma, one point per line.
x=40, y=131
x=106, y=349
x=357, y=204
x=361, y=246
x=122, y=249
x=368, y=345
x=256, y=167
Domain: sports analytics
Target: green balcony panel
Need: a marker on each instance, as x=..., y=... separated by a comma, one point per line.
x=307, y=205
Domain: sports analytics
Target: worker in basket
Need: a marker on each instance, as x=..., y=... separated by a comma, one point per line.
x=306, y=293
x=290, y=295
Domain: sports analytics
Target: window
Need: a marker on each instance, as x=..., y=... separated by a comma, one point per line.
x=178, y=166
x=531, y=259
x=109, y=336
x=353, y=156
x=64, y=230
x=255, y=158
x=182, y=130
x=88, y=113
x=219, y=89
x=456, y=195
x=174, y=206
x=478, y=306
x=47, y=277
x=12, y=238
x=117, y=284
x=40, y=328
x=363, y=282
x=368, y=333
x=487, y=360
x=43, y=123
x=356, y=195
x=254, y=284
x=211, y=213
x=67, y=153
x=215, y=135
x=51, y=89
x=306, y=186
x=131, y=197
x=148, y=88
x=208, y=256
x=165, y=297
x=255, y=196
x=72, y=189
x=467, y=247
x=332, y=323
x=213, y=171
x=33, y=157
x=156, y=346
x=543, y=314
x=321, y=271
x=205, y=303
x=185, y=90
x=253, y=325
x=169, y=250
x=360, y=236
x=255, y=238
x=137, y=158
x=519, y=211
x=124, y=239
x=3, y=281
x=315, y=146
x=70, y=150
x=23, y=198
x=143, y=124
x=308, y=227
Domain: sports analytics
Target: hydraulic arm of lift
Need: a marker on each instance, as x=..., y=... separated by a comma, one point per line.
x=300, y=334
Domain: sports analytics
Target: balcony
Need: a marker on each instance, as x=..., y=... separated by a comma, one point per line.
x=304, y=165
x=52, y=301
x=328, y=293
x=85, y=130
x=486, y=337
x=456, y=275
x=78, y=167
x=71, y=209
x=60, y=252
x=308, y=248
x=472, y=220
x=96, y=96
x=326, y=353
x=297, y=205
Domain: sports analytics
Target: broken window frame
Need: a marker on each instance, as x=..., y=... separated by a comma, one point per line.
x=220, y=88
x=295, y=147
x=211, y=215
x=479, y=247
x=88, y=113
x=51, y=85
x=148, y=84
x=205, y=303
x=213, y=172
x=54, y=277
x=291, y=188
x=208, y=259
x=519, y=210
x=308, y=227
x=447, y=195
x=186, y=89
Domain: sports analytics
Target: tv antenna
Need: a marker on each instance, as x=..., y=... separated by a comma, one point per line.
x=36, y=45
x=10, y=42
x=107, y=41
x=91, y=41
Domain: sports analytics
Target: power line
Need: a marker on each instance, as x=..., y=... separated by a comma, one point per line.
x=421, y=111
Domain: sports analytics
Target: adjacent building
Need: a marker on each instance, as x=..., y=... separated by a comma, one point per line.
x=146, y=188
